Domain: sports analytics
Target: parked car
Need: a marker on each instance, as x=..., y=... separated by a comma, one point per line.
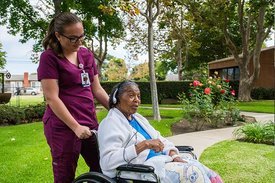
x=26, y=91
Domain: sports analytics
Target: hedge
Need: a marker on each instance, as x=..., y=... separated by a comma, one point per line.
x=11, y=115
x=171, y=89
x=166, y=89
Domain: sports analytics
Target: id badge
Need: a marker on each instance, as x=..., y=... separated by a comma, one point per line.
x=85, y=79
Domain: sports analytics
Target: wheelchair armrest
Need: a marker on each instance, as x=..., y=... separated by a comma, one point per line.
x=136, y=168
x=185, y=148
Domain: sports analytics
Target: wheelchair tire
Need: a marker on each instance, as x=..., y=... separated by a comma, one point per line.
x=93, y=177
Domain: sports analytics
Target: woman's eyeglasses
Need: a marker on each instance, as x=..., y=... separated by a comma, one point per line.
x=74, y=39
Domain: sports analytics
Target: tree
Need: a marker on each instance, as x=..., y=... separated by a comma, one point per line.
x=149, y=10
x=140, y=72
x=175, y=47
x=31, y=21
x=252, y=20
x=152, y=11
x=2, y=57
x=116, y=70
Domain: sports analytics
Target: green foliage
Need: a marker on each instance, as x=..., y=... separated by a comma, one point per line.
x=140, y=72
x=172, y=89
x=31, y=21
x=241, y=162
x=257, y=133
x=210, y=100
x=2, y=57
x=11, y=115
x=116, y=70
x=166, y=89
x=34, y=112
x=263, y=93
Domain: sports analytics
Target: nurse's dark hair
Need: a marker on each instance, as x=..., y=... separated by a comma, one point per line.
x=57, y=25
x=118, y=90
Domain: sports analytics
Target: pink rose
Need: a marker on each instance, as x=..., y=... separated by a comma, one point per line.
x=233, y=92
x=196, y=83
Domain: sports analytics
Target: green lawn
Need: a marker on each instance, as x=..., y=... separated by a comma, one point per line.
x=25, y=100
x=265, y=106
x=25, y=156
x=241, y=162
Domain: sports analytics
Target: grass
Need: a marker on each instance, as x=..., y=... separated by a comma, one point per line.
x=25, y=100
x=169, y=117
x=264, y=106
x=25, y=155
x=241, y=162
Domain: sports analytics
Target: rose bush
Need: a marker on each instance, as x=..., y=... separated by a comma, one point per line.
x=210, y=100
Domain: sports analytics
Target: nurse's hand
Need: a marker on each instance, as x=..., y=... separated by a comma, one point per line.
x=82, y=132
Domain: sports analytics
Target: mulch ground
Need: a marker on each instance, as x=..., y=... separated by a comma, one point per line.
x=184, y=126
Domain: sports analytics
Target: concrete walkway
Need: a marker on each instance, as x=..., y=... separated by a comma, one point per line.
x=204, y=139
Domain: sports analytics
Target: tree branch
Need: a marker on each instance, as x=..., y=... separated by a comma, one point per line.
x=31, y=19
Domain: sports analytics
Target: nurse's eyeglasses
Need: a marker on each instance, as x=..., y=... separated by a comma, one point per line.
x=74, y=39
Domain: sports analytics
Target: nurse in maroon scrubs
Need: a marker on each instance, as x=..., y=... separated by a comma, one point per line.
x=70, y=82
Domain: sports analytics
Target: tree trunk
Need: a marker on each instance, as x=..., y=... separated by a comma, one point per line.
x=179, y=60
x=99, y=66
x=153, y=85
x=57, y=6
x=245, y=86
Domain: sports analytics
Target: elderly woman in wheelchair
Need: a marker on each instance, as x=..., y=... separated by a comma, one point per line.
x=131, y=149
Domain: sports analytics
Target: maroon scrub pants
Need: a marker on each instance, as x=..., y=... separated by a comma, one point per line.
x=65, y=149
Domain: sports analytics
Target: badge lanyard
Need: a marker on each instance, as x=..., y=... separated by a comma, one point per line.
x=85, y=80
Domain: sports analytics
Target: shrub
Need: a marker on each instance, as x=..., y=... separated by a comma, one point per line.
x=11, y=115
x=257, y=133
x=34, y=112
x=166, y=89
x=263, y=93
x=210, y=100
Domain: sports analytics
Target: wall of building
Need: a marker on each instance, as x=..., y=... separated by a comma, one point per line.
x=267, y=73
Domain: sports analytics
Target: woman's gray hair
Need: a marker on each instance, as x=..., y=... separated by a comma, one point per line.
x=117, y=91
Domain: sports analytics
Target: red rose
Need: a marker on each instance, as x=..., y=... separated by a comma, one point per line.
x=196, y=83
x=207, y=91
x=222, y=91
x=227, y=80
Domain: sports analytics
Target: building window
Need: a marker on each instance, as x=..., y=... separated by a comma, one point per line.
x=231, y=73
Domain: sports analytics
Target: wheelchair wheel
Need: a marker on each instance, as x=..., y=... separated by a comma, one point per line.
x=93, y=177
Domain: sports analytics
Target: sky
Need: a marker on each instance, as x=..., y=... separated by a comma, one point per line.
x=18, y=54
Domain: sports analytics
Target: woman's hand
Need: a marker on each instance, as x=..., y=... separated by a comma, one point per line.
x=82, y=132
x=178, y=159
x=155, y=144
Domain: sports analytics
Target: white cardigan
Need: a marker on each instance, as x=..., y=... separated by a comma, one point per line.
x=117, y=140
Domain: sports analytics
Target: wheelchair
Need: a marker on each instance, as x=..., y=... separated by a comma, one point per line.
x=134, y=173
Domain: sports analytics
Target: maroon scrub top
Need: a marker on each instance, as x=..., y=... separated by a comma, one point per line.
x=79, y=100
